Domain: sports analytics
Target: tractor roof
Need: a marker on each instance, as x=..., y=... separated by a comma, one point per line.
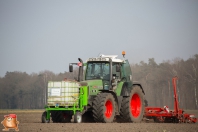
x=106, y=58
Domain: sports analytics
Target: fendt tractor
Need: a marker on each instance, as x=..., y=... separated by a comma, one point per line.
x=103, y=92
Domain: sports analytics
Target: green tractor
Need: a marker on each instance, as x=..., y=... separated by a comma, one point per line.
x=104, y=92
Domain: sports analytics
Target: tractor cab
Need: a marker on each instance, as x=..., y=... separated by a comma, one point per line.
x=104, y=72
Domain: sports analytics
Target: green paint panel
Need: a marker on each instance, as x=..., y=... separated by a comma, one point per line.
x=119, y=88
x=94, y=86
x=85, y=95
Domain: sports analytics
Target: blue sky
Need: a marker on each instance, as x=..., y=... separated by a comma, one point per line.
x=47, y=35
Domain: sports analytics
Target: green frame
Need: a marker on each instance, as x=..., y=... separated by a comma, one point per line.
x=82, y=101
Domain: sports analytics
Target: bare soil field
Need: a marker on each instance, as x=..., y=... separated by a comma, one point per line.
x=30, y=121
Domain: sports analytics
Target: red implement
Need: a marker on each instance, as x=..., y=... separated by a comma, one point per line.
x=165, y=115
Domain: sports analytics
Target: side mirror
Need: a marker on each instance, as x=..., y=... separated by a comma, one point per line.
x=70, y=68
x=117, y=68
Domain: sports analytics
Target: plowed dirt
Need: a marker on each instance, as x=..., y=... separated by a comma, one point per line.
x=30, y=121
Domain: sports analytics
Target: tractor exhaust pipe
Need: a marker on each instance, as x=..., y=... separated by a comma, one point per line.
x=80, y=71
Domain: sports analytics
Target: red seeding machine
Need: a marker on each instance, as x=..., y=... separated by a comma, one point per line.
x=164, y=115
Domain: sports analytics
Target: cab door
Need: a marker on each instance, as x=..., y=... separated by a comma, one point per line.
x=126, y=74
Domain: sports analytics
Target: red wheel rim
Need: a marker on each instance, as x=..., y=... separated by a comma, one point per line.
x=135, y=105
x=109, y=109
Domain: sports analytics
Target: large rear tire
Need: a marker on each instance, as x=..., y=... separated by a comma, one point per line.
x=104, y=108
x=132, y=107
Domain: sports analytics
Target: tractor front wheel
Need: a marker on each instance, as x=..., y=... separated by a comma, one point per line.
x=104, y=108
x=132, y=107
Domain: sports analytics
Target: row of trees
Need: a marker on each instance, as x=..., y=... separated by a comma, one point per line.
x=19, y=90
x=157, y=81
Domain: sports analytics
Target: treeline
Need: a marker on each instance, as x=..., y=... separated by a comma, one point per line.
x=19, y=90
x=157, y=81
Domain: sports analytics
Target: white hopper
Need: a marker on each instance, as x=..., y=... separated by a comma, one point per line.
x=63, y=93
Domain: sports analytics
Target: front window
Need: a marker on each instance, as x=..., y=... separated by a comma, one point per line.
x=97, y=70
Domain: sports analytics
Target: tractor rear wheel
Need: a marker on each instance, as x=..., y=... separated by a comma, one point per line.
x=60, y=117
x=132, y=107
x=104, y=108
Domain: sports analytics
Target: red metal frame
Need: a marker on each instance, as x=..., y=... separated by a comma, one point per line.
x=176, y=116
